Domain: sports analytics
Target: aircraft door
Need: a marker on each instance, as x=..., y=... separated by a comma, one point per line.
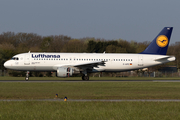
x=140, y=60
x=27, y=59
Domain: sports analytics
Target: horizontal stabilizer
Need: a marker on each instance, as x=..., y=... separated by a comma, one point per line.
x=170, y=58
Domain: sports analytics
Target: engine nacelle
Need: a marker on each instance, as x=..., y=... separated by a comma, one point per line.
x=64, y=72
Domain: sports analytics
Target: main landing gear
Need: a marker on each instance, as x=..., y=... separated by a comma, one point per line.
x=27, y=76
x=85, y=77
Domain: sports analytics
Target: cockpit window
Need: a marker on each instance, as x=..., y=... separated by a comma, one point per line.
x=15, y=58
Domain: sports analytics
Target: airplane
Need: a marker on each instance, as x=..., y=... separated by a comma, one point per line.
x=67, y=64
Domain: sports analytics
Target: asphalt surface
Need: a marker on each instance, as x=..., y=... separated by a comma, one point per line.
x=90, y=81
x=94, y=100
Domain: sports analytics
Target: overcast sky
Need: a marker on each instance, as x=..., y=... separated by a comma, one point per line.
x=138, y=20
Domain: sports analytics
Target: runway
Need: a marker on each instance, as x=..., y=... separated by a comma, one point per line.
x=89, y=81
x=94, y=100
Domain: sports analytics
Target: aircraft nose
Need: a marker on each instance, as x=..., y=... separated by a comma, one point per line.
x=7, y=64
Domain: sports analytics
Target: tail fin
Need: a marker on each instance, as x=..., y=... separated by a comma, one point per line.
x=160, y=44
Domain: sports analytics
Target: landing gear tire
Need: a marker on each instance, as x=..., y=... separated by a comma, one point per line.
x=85, y=77
x=26, y=78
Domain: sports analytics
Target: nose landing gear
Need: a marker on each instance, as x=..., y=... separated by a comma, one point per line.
x=27, y=76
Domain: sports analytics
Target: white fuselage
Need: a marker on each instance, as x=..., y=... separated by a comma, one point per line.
x=113, y=62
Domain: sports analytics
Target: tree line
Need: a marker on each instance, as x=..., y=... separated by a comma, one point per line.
x=13, y=43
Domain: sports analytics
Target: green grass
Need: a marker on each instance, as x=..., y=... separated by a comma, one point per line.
x=90, y=90
x=50, y=110
x=89, y=110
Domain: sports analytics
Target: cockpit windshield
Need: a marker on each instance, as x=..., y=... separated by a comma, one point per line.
x=14, y=58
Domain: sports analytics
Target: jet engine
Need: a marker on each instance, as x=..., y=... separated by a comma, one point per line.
x=64, y=72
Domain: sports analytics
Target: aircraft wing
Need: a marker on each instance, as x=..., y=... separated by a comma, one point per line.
x=88, y=65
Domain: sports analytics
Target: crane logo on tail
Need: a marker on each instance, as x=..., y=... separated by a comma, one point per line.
x=162, y=41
